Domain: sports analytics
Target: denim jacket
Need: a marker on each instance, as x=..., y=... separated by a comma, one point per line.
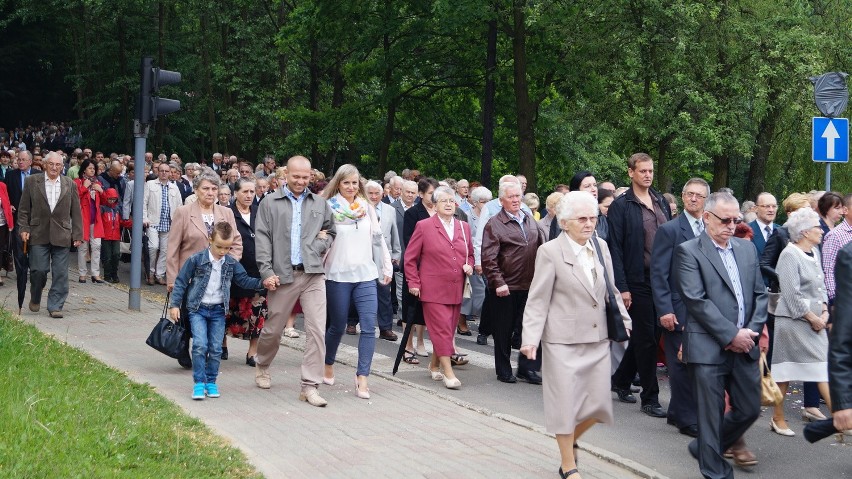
x=195, y=273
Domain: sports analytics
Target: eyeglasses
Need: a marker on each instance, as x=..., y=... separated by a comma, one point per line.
x=727, y=221
x=690, y=194
x=446, y=201
x=585, y=219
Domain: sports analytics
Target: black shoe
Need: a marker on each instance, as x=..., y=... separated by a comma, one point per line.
x=224, y=354
x=636, y=381
x=635, y=389
x=399, y=322
x=507, y=379
x=624, y=395
x=250, y=361
x=653, y=410
x=691, y=431
x=482, y=340
x=463, y=333
x=531, y=377
x=516, y=342
x=185, y=362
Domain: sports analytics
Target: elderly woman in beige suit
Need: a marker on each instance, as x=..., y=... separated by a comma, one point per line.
x=566, y=312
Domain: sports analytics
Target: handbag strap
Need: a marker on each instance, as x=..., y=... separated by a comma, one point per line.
x=609, y=292
x=166, y=305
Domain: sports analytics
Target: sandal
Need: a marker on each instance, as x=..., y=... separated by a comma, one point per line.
x=410, y=358
x=566, y=475
x=459, y=359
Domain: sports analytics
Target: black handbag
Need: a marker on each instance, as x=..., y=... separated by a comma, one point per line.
x=614, y=322
x=168, y=337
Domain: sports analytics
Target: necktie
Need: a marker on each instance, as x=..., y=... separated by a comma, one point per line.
x=768, y=233
x=591, y=255
x=696, y=227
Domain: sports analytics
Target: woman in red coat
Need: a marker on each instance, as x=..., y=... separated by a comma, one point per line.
x=90, y=190
x=437, y=259
x=7, y=224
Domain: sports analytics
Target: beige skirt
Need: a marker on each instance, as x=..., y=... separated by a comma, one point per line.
x=576, y=385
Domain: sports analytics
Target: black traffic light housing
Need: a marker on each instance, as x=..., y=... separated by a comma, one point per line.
x=150, y=104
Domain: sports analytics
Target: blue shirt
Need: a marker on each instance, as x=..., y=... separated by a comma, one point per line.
x=296, y=225
x=730, y=262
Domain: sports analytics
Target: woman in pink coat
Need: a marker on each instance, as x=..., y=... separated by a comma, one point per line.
x=437, y=259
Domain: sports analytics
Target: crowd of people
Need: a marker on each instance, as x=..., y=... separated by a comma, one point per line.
x=705, y=283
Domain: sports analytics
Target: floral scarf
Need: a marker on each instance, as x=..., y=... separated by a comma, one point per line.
x=345, y=213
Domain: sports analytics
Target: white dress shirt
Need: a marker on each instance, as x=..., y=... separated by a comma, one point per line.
x=53, y=189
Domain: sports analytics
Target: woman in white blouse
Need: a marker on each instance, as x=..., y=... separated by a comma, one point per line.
x=351, y=273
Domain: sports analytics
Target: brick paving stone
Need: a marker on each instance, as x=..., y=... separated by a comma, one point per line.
x=403, y=431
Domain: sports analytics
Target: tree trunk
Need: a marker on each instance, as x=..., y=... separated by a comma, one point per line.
x=488, y=103
x=763, y=145
x=208, y=83
x=721, y=168
x=525, y=108
x=387, y=137
x=127, y=132
x=313, y=95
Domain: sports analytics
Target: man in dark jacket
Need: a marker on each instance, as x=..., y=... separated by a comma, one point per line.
x=633, y=221
x=840, y=346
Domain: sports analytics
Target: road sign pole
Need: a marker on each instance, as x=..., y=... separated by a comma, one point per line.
x=828, y=177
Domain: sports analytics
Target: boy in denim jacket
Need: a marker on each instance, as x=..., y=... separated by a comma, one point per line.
x=205, y=280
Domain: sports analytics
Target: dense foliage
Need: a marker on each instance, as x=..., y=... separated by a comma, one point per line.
x=717, y=89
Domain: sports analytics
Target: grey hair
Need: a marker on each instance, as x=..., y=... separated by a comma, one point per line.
x=443, y=191
x=720, y=197
x=800, y=221
x=410, y=183
x=505, y=186
x=572, y=201
x=207, y=174
x=373, y=184
x=697, y=181
x=228, y=188
x=389, y=176
x=396, y=180
x=481, y=193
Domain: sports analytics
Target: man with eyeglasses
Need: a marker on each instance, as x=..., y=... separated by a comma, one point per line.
x=718, y=278
x=764, y=226
x=49, y=218
x=510, y=241
x=634, y=219
x=670, y=308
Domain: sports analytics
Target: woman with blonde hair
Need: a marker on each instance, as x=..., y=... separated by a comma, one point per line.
x=351, y=273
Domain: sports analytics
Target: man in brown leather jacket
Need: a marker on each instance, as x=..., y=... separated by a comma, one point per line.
x=509, y=244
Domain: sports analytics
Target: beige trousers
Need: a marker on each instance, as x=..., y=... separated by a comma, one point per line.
x=310, y=290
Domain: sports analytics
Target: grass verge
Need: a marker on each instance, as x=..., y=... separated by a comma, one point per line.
x=64, y=414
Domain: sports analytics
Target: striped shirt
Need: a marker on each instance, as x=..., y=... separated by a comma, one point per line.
x=833, y=241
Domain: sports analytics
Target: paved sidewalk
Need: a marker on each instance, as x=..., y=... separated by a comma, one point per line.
x=404, y=430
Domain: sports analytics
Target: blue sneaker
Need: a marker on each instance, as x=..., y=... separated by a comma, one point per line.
x=212, y=390
x=198, y=391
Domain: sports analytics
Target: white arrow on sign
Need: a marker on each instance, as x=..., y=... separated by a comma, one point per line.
x=830, y=134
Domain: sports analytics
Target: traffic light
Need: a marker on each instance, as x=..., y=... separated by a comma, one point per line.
x=150, y=104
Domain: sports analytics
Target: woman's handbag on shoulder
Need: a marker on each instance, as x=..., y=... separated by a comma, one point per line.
x=468, y=289
x=770, y=393
x=168, y=337
x=614, y=322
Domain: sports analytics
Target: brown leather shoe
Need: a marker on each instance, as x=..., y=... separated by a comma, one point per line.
x=388, y=335
x=350, y=329
x=55, y=314
x=743, y=457
x=34, y=307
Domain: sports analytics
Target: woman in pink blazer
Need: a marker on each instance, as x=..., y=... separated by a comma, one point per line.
x=437, y=259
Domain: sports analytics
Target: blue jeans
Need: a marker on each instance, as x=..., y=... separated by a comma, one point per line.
x=208, y=330
x=338, y=298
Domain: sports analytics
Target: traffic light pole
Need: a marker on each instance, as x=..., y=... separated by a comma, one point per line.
x=828, y=176
x=140, y=133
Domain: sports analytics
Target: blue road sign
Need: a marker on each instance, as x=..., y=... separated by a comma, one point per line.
x=830, y=140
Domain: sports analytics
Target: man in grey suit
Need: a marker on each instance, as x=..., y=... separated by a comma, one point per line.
x=401, y=205
x=719, y=280
x=49, y=218
x=386, y=215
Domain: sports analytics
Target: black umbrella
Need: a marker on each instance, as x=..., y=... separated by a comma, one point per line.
x=411, y=310
x=22, y=268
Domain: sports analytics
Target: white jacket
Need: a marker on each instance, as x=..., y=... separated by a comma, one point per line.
x=151, y=201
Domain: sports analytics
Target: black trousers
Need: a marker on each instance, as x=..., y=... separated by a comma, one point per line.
x=507, y=315
x=682, y=409
x=110, y=255
x=641, y=354
x=717, y=431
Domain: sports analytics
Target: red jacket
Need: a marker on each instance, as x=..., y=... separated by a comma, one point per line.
x=7, y=206
x=85, y=209
x=112, y=223
x=433, y=263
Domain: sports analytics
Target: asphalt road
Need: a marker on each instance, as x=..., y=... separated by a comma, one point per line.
x=648, y=441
